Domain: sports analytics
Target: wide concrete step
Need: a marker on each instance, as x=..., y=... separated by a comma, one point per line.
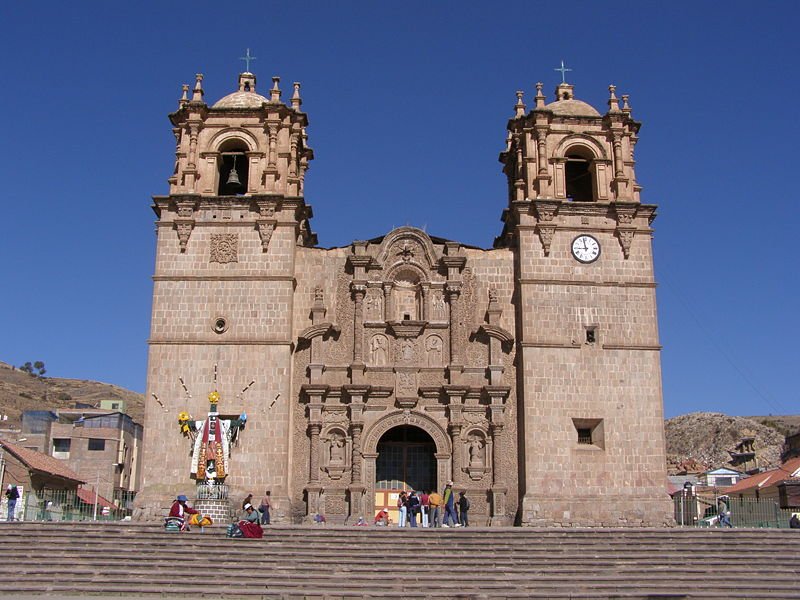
x=133, y=560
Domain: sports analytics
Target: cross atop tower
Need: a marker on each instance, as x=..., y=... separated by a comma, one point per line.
x=563, y=71
x=247, y=58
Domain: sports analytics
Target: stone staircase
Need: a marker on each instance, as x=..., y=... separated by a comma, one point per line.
x=136, y=560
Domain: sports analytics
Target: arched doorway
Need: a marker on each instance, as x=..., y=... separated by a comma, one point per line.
x=406, y=461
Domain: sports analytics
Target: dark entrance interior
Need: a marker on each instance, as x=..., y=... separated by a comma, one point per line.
x=406, y=460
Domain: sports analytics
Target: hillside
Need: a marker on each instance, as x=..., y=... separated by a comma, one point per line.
x=707, y=438
x=20, y=391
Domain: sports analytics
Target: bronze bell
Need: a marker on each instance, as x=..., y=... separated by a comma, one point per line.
x=233, y=176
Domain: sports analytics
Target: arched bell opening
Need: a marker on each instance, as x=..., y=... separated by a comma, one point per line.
x=578, y=177
x=233, y=168
x=406, y=461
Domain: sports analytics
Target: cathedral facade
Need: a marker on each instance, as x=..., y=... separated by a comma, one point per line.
x=527, y=374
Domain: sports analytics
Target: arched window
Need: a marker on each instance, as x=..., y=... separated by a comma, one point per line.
x=578, y=177
x=233, y=168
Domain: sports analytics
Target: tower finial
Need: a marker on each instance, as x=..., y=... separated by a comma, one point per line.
x=197, y=94
x=539, y=95
x=626, y=108
x=275, y=92
x=247, y=58
x=185, y=96
x=563, y=71
x=519, y=107
x=296, y=99
x=613, y=102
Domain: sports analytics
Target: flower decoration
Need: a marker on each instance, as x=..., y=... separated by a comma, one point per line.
x=184, y=422
x=213, y=397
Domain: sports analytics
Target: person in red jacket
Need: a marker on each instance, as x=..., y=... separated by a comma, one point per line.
x=178, y=512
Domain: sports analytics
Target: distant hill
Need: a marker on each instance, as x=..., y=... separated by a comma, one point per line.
x=20, y=391
x=707, y=438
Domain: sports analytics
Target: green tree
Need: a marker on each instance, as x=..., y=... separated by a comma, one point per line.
x=39, y=366
x=27, y=368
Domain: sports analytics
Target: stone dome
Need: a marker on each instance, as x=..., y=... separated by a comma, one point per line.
x=572, y=108
x=241, y=99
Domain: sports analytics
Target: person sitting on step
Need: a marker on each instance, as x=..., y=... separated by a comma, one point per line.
x=177, y=519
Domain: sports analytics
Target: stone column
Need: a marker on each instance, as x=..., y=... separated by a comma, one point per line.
x=357, y=488
x=495, y=430
x=356, y=458
x=541, y=149
x=425, y=290
x=388, y=303
x=191, y=168
x=453, y=294
x=618, y=166
x=313, y=461
x=455, y=435
x=358, y=324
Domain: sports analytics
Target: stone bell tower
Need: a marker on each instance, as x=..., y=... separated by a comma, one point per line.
x=227, y=235
x=591, y=418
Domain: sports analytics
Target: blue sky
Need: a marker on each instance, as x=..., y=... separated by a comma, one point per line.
x=408, y=104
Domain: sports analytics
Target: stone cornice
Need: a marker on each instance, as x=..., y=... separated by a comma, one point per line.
x=227, y=342
x=620, y=284
x=242, y=277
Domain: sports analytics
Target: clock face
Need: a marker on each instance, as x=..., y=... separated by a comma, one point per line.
x=585, y=248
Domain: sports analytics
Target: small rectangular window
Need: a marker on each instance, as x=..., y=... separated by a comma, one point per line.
x=590, y=432
x=591, y=334
x=61, y=444
x=97, y=444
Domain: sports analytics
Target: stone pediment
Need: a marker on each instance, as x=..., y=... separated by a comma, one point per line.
x=407, y=245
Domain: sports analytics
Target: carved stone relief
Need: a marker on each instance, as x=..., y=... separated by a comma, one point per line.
x=406, y=384
x=438, y=307
x=224, y=248
x=433, y=351
x=379, y=350
x=374, y=305
x=406, y=350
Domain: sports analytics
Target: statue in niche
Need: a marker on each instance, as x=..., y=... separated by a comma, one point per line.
x=407, y=350
x=433, y=348
x=337, y=449
x=475, y=451
x=378, y=351
x=438, y=308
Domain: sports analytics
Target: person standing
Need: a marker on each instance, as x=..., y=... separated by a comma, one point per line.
x=425, y=501
x=435, y=501
x=463, y=508
x=402, y=505
x=413, y=507
x=264, y=508
x=12, y=494
x=449, y=506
